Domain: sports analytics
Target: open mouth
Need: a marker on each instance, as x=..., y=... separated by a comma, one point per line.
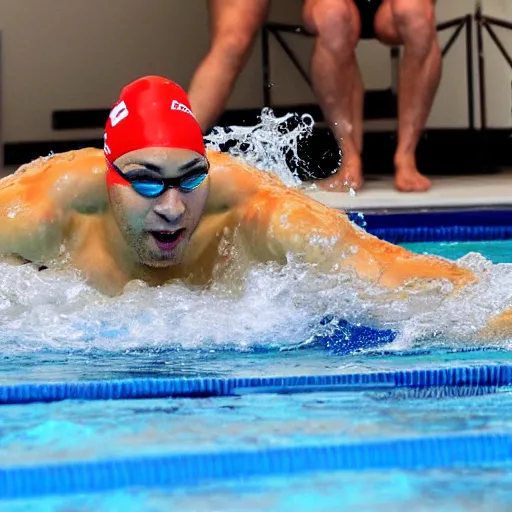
x=167, y=239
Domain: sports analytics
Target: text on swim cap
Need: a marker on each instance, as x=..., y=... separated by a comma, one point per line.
x=118, y=113
x=106, y=149
x=176, y=105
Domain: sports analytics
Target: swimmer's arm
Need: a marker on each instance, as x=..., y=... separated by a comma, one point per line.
x=38, y=202
x=329, y=239
x=30, y=225
x=278, y=221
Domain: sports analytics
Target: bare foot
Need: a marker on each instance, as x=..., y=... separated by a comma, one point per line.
x=348, y=177
x=409, y=179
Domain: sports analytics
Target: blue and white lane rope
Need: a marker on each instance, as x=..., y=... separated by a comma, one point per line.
x=190, y=470
x=488, y=376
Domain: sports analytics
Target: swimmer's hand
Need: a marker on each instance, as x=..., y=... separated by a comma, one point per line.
x=498, y=327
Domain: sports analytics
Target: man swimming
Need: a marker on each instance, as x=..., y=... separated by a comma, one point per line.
x=155, y=206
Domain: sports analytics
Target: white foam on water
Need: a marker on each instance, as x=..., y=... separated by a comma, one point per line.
x=277, y=307
x=266, y=145
x=274, y=306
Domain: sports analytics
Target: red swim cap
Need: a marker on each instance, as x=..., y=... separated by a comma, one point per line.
x=151, y=112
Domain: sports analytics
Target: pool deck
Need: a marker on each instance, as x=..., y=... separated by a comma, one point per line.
x=460, y=192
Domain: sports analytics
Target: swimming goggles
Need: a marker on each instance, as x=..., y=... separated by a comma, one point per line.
x=154, y=187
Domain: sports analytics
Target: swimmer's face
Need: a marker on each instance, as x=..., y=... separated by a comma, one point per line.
x=158, y=224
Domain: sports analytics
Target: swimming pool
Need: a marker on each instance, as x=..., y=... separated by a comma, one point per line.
x=354, y=444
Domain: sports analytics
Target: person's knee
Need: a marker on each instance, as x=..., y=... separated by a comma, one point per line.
x=234, y=46
x=415, y=21
x=334, y=22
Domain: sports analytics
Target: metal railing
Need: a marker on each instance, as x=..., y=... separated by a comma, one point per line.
x=486, y=23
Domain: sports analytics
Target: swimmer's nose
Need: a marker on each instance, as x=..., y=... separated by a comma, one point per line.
x=170, y=206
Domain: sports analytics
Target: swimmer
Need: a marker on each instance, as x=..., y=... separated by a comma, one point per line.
x=156, y=206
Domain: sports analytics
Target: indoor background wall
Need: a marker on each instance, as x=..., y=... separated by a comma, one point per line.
x=77, y=54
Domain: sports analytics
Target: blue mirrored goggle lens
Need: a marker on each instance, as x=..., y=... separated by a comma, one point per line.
x=155, y=188
x=148, y=188
x=192, y=182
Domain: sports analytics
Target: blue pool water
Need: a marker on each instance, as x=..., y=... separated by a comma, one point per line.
x=496, y=251
x=456, y=490
x=85, y=431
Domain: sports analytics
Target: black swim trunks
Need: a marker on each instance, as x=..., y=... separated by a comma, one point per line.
x=367, y=10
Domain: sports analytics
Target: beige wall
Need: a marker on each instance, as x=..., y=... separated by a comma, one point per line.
x=67, y=54
x=71, y=54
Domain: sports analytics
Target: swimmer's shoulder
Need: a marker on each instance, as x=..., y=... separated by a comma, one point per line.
x=226, y=166
x=234, y=182
x=74, y=178
x=46, y=170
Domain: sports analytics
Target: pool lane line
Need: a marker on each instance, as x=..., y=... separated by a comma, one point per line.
x=488, y=376
x=195, y=469
x=448, y=233
x=475, y=224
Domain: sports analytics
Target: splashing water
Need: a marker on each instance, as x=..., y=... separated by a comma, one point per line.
x=279, y=307
x=267, y=145
x=274, y=144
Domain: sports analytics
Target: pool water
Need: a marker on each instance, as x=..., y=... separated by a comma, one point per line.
x=496, y=251
x=459, y=490
x=80, y=430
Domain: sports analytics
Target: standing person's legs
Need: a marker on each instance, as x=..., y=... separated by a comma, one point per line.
x=337, y=81
x=412, y=23
x=234, y=25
